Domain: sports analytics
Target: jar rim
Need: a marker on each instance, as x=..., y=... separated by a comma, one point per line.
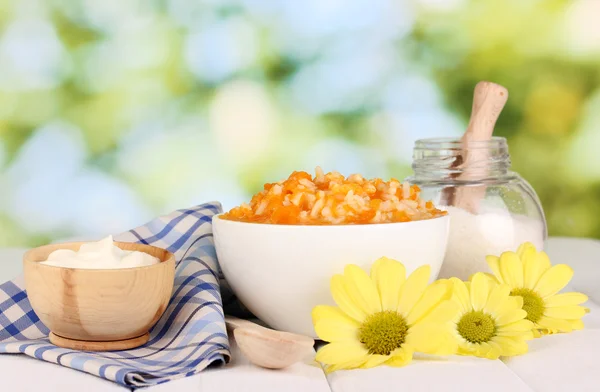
x=437, y=143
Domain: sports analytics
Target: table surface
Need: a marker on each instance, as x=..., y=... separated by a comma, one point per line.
x=554, y=363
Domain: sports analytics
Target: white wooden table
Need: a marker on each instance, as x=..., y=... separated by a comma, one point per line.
x=556, y=363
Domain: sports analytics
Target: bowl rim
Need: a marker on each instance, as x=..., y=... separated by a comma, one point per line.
x=218, y=217
x=169, y=259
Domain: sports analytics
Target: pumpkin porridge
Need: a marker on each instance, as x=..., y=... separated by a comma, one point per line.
x=332, y=199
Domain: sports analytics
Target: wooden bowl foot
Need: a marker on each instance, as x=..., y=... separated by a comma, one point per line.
x=86, y=345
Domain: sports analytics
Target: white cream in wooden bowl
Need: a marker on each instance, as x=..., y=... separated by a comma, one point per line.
x=103, y=254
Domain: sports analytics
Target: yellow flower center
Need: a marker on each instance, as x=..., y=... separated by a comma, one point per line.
x=383, y=332
x=476, y=327
x=533, y=304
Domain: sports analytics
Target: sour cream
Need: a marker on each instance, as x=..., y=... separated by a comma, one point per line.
x=103, y=254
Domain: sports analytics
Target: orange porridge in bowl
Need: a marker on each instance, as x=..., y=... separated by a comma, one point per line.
x=332, y=199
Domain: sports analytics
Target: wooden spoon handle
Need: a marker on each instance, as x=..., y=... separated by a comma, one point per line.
x=234, y=322
x=245, y=326
x=488, y=101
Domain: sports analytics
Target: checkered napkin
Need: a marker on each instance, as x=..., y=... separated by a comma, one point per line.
x=190, y=335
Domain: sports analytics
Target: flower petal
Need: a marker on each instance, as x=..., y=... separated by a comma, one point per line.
x=321, y=312
x=468, y=348
x=497, y=300
x=494, y=264
x=523, y=329
x=330, y=331
x=374, y=360
x=565, y=299
x=511, y=317
x=361, y=289
x=332, y=325
x=491, y=278
x=434, y=294
x=445, y=312
x=342, y=352
x=432, y=338
x=479, y=291
x=400, y=357
x=516, y=327
x=514, y=302
x=576, y=324
x=553, y=280
x=510, y=346
x=388, y=276
x=554, y=324
x=525, y=250
x=413, y=288
x=346, y=365
x=524, y=335
x=460, y=295
x=511, y=269
x=565, y=312
x=488, y=351
x=475, y=349
x=495, y=350
x=534, y=265
x=344, y=301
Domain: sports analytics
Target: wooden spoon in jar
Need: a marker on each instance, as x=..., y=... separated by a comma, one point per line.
x=488, y=101
x=269, y=348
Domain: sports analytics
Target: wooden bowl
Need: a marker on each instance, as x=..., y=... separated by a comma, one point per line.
x=99, y=310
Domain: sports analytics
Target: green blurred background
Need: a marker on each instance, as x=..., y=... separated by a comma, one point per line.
x=114, y=111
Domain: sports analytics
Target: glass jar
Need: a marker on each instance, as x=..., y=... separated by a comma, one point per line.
x=492, y=209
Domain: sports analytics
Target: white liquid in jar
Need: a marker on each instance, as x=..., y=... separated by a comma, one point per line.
x=473, y=237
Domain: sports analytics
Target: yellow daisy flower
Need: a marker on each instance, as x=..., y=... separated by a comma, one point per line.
x=490, y=323
x=384, y=318
x=532, y=277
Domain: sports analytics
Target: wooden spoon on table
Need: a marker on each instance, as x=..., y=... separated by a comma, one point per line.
x=269, y=348
x=488, y=101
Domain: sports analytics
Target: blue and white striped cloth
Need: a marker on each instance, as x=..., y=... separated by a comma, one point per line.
x=190, y=335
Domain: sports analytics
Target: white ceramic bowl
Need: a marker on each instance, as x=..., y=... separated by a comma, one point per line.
x=280, y=272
